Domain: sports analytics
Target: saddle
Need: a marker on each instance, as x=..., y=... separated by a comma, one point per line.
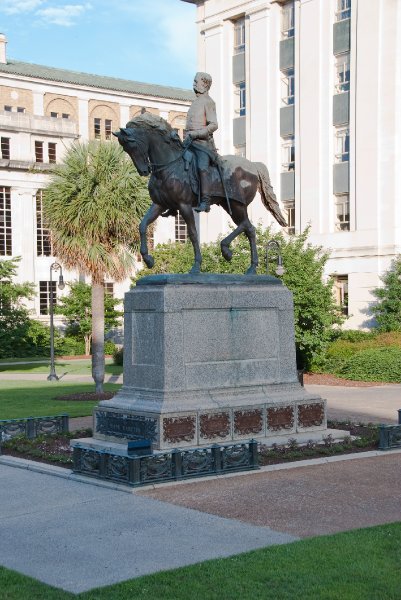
x=220, y=170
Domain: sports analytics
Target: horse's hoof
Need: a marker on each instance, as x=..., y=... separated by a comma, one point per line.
x=148, y=260
x=195, y=270
x=226, y=252
x=251, y=270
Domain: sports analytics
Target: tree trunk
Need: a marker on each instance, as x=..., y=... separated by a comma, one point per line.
x=98, y=334
x=87, y=339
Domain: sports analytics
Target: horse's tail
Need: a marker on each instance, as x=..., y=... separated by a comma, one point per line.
x=268, y=196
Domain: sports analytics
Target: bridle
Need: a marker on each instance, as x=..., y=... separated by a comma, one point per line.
x=156, y=167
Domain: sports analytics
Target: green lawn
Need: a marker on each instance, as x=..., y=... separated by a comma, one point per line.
x=77, y=366
x=360, y=565
x=19, y=399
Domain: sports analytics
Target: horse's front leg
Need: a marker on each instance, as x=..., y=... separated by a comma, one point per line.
x=154, y=211
x=187, y=214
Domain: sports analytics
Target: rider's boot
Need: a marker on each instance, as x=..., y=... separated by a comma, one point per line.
x=204, y=205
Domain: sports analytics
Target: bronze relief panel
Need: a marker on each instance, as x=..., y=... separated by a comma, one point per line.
x=179, y=429
x=248, y=422
x=281, y=417
x=310, y=415
x=214, y=425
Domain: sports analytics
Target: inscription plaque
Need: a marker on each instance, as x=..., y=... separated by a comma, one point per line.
x=310, y=415
x=281, y=417
x=134, y=427
x=179, y=429
x=214, y=425
x=247, y=422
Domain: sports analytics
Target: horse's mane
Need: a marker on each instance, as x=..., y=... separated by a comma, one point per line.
x=151, y=122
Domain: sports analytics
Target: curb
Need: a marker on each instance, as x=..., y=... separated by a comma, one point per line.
x=53, y=470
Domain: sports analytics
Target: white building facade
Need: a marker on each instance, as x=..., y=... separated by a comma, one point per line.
x=312, y=88
x=42, y=112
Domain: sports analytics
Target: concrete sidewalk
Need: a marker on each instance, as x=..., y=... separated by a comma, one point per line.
x=77, y=536
x=375, y=404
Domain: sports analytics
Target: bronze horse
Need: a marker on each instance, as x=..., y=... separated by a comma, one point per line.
x=156, y=150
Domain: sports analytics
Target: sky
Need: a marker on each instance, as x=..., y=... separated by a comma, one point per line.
x=153, y=41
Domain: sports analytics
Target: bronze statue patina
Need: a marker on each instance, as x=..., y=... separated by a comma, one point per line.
x=201, y=123
x=229, y=181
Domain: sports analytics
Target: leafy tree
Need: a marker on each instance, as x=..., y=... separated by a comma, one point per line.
x=77, y=311
x=92, y=206
x=315, y=311
x=19, y=335
x=14, y=316
x=387, y=309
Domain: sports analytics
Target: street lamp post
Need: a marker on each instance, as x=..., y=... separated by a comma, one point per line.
x=274, y=246
x=54, y=267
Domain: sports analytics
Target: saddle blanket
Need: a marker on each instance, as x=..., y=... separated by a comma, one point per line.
x=232, y=169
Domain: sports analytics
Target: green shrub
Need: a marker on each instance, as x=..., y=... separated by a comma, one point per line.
x=348, y=343
x=109, y=347
x=69, y=346
x=374, y=364
x=355, y=335
x=118, y=356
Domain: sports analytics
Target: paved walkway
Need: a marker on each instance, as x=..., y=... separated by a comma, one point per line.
x=77, y=536
x=376, y=404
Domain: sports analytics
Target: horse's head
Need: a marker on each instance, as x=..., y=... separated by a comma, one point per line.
x=136, y=145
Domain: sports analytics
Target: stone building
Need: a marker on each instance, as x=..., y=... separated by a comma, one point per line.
x=313, y=89
x=42, y=111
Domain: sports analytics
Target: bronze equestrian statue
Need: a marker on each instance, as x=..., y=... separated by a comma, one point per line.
x=190, y=175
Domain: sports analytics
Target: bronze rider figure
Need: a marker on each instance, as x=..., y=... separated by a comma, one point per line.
x=200, y=125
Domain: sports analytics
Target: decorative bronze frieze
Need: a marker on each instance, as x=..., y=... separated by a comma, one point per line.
x=281, y=417
x=310, y=415
x=214, y=425
x=179, y=429
x=248, y=422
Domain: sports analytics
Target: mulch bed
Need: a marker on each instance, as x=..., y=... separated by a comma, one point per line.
x=327, y=379
x=48, y=449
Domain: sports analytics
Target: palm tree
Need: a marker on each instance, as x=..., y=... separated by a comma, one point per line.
x=92, y=207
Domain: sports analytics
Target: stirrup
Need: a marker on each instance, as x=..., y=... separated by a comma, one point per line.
x=170, y=212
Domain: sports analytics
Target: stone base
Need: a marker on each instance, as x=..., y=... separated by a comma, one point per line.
x=298, y=412
x=208, y=359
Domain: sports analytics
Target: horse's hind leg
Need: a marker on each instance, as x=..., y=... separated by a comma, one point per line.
x=238, y=216
x=187, y=214
x=241, y=219
x=154, y=211
x=250, y=233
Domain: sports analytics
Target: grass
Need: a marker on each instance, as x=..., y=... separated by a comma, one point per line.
x=19, y=399
x=356, y=565
x=77, y=367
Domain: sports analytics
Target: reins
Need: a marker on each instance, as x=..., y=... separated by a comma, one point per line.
x=156, y=167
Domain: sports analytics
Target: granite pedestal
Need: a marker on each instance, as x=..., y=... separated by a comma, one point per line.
x=208, y=358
